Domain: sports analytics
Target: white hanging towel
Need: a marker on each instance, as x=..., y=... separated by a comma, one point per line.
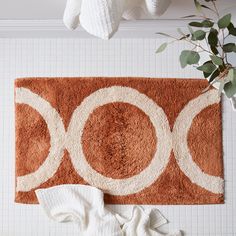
x=102, y=17
x=84, y=205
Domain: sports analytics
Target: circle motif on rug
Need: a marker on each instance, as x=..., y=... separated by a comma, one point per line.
x=119, y=140
x=214, y=184
x=57, y=133
x=157, y=117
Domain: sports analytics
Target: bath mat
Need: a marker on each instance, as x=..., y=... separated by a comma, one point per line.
x=140, y=140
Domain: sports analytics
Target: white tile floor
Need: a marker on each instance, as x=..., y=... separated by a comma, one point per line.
x=92, y=57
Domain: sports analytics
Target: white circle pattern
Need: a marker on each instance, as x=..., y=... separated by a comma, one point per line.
x=57, y=133
x=159, y=120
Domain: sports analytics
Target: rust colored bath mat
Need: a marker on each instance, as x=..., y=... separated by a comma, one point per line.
x=140, y=140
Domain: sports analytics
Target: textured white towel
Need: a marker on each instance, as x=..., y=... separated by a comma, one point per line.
x=72, y=14
x=102, y=17
x=84, y=205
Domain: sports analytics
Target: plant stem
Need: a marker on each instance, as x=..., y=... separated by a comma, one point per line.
x=224, y=73
x=223, y=42
x=198, y=45
x=216, y=10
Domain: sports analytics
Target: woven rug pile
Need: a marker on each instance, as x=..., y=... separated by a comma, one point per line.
x=140, y=140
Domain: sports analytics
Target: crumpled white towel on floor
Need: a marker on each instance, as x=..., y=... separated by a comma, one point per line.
x=84, y=205
x=102, y=17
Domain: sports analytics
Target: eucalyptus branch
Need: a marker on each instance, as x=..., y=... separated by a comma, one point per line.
x=216, y=68
x=198, y=45
x=223, y=42
x=216, y=10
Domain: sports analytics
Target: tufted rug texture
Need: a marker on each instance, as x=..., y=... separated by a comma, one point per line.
x=140, y=140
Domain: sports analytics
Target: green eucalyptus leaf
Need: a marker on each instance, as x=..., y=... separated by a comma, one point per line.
x=198, y=5
x=183, y=60
x=230, y=89
x=204, y=6
x=214, y=50
x=229, y=47
x=207, y=23
x=188, y=57
x=214, y=75
x=189, y=16
x=184, y=37
x=161, y=48
x=231, y=29
x=196, y=24
x=208, y=67
x=206, y=75
x=224, y=21
x=222, y=68
x=198, y=35
x=216, y=60
x=164, y=34
x=213, y=37
x=193, y=58
x=232, y=76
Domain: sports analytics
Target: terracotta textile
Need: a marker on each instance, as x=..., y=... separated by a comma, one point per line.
x=119, y=139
